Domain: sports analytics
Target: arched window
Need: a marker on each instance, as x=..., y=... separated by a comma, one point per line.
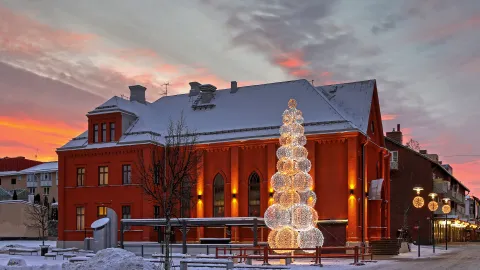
x=186, y=197
x=218, y=196
x=254, y=195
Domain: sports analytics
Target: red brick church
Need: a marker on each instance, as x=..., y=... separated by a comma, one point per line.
x=238, y=129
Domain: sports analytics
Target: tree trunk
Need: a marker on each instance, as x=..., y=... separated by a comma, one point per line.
x=167, y=245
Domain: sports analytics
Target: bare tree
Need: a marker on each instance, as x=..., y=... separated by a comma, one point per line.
x=37, y=216
x=168, y=175
x=412, y=144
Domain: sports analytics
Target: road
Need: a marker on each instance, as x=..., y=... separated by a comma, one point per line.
x=462, y=257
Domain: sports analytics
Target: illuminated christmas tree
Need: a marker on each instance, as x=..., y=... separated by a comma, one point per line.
x=292, y=217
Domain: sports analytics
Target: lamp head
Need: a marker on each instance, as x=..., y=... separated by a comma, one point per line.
x=432, y=195
x=418, y=189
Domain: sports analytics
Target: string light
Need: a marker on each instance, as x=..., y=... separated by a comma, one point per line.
x=291, y=217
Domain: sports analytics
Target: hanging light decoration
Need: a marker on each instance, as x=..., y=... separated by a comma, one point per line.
x=418, y=202
x=291, y=217
x=433, y=206
x=446, y=209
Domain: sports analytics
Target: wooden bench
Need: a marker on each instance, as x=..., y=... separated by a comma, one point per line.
x=60, y=251
x=287, y=260
x=215, y=240
x=78, y=259
x=13, y=251
x=89, y=255
x=69, y=255
x=227, y=264
x=174, y=256
x=50, y=255
x=261, y=267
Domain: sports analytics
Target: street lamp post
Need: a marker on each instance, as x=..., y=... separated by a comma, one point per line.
x=433, y=206
x=446, y=209
x=418, y=203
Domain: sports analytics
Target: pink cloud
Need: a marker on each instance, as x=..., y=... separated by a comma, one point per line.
x=388, y=117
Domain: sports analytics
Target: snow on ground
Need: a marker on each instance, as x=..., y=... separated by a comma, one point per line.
x=425, y=252
x=5, y=245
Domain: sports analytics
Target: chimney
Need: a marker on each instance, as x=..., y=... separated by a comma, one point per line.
x=207, y=92
x=233, y=87
x=137, y=93
x=194, y=89
x=396, y=135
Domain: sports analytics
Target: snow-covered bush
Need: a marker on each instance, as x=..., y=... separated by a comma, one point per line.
x=109, y=259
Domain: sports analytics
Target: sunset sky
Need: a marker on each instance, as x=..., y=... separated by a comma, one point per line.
x=60, y=59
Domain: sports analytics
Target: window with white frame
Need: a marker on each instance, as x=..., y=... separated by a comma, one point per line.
x=46, y=191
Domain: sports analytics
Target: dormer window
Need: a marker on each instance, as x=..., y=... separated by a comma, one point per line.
x=112, y=132
x=95, y=133
x=104, y=132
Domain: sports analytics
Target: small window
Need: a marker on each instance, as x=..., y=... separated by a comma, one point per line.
x=218, y=196
x=254, y=195
x=373, y=127
x=80, y=177
x=31, y=191
x=95, y=133
x=394, y=157
x=101, y=211
x=112, y=132
x=156, y=214
x=46, y=191
x=126, y=214
x=104, y=132
x=102, y=175
x=126, y=174
x=80, y=218
x=14, y=181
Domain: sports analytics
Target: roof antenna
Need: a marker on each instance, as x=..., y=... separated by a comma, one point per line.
x=165, y=93
x=36, y=153
x=312, y=83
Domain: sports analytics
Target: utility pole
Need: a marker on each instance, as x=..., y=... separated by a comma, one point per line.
x=165, y=93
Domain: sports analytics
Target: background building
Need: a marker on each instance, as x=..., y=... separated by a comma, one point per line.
x=238, y=131
x=410, y=168
x=16, y=163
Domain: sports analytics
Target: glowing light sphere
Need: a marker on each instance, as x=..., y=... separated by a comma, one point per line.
x=314, y=217
x=288, y=118
x=286, y=139
x=310, y=239
x=286, y=237
x=292, y=103
x=308, y=197
x=300, y=140
x=285, y=129
x=418, y=202
x=271, y=239
x=302, y=217
x=432, y=206
x=302, y=182
x=298, y=152
x=297, y=129
x=286, y=166
x=299, y=118
x=281, y=182
x=446, y=209
x=277, y=216
x=303, y=165
x=285, y=152
x=286, y=198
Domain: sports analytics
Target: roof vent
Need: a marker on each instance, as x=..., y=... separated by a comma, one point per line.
x=194, y=89
x=137, y=93
x=207, y=92
x=233, y=87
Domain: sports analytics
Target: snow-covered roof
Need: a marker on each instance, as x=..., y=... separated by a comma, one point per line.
x=353, y=99
x=9, y=173
x=252, y=112
x=44, y=167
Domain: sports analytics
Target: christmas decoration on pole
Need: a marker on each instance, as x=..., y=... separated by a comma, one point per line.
x=292, y=217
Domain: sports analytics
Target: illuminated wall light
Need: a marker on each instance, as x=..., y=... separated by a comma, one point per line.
x=271, y=194
x=234, y=195
x=351, y=191
x=199, y=197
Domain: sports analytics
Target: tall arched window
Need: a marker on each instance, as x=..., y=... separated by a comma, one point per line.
x=254, y=195
x=186, y=197
x=218, y=196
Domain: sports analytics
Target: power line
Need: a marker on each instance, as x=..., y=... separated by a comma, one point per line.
x=462, y=155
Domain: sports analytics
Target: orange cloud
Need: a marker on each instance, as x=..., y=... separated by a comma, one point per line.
x=388, y=117
x=467, y=173
x=25, y=137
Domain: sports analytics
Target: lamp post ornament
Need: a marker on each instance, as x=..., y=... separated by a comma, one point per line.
x=292, y=218
x=418, y=203
x=446, y=209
